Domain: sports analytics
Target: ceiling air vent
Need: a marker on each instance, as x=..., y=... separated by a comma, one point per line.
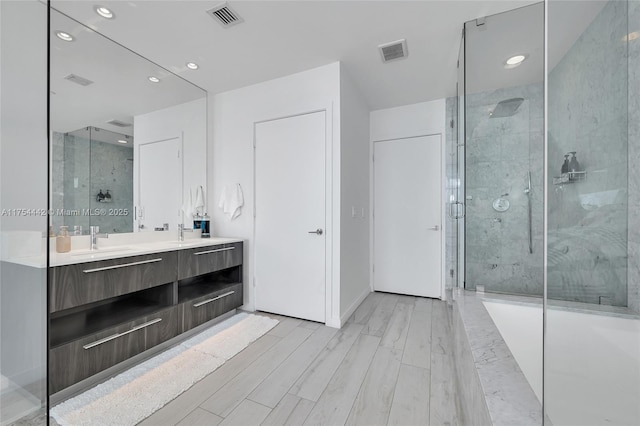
x=394, y=50
x=78, y=80
x=224, y=15
x=118, y=123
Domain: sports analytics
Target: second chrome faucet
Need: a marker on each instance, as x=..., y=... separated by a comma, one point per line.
x=94, y=232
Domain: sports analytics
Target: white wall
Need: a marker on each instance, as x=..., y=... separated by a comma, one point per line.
x=190, y=121
x=232, y=116
x=425, y=118
x=355, y=283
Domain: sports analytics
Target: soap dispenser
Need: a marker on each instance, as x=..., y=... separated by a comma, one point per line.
x=205, y=226
x=565, y=165
x=574, y=166
x=63, y=240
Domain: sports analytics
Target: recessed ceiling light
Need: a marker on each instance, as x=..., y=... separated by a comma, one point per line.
x=192, y=65
x=154, y=79
x=121, y=141
x=514, y=61
x=64, y=36
x=631, y=36
x=104, y=12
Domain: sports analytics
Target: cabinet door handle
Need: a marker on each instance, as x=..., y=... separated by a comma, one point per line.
x=115, y=336
x=204, y=302
x=124, y=265
x=213, y=251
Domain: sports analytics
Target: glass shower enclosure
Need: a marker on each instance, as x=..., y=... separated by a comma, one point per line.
x=23, y=217
x=548, y=170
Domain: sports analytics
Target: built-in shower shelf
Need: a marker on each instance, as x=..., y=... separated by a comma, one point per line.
x=570, y=177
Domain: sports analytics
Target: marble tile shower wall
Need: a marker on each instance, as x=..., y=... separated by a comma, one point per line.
x=500, y=152
x=103, y=166
x=76, y=169
x=112, y=169
x=587, y=238
x=57, y=181
x=633, y=275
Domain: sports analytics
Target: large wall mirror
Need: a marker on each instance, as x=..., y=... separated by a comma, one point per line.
x=113, y=115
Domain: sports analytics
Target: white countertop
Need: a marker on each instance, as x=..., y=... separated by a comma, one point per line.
x=118, y=247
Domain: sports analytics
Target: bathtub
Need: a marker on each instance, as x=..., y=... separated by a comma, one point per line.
x=592, y=360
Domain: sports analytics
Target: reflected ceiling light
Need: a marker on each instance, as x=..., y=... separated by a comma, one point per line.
x=64, y=36
x=154, y=79
x=631, y=36
x=104, y=12
x=515, y=61
x=121, y=141
x=192, y=65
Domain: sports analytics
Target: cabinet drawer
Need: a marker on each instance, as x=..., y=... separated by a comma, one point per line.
x=198, y=311
x=162, y=330
x=202, y=260
x=75, y=285
x=75, y=361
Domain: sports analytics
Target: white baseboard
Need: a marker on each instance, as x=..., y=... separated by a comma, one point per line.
x=333, y=322
x=354, y=306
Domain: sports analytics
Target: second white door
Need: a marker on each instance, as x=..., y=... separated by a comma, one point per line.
x=159, y=184
x=408, y=216
x=290, y=216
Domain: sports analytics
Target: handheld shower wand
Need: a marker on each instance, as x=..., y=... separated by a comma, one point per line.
x=527, y=191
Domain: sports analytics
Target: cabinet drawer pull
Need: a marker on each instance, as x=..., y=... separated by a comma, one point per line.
x=124, y=265
x=213, y=251
x=115, y=336
x=204, y=302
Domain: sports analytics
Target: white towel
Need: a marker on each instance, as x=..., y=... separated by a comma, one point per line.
x=198, y=205
x=232, y=200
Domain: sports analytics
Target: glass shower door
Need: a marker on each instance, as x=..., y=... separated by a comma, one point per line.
x=504, y=153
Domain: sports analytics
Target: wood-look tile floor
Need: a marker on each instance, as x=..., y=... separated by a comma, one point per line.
x=391, y=363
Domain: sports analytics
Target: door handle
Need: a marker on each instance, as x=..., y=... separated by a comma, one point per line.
x=317, y=231
x=435, y=228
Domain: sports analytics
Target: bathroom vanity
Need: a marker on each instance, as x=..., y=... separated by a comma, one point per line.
x=106, y=307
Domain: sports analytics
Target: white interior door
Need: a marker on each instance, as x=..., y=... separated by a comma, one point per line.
x=159, y=184
x=408, y=216
x=290, y=208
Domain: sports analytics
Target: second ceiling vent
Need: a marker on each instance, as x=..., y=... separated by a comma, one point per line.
x=394, y=50
x=226, y=16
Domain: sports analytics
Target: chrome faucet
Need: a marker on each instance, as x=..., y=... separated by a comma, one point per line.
x=94, y=233
x=181, y=231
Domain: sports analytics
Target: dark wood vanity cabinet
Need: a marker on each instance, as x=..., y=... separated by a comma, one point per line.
x=84, y=357
x=83, y=283
x=198, y=311
x=203, y=260
x=103, y=313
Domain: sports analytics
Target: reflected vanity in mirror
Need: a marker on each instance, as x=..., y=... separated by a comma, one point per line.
x=122, y=130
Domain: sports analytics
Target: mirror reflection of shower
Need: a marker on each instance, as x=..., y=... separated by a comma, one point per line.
x=92, y=166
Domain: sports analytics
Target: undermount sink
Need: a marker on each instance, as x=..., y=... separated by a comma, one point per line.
x=100, y=251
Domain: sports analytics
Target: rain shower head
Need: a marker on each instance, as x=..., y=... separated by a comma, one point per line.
x=506, y=108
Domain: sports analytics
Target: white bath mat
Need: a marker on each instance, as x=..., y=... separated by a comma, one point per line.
x=135, y=394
